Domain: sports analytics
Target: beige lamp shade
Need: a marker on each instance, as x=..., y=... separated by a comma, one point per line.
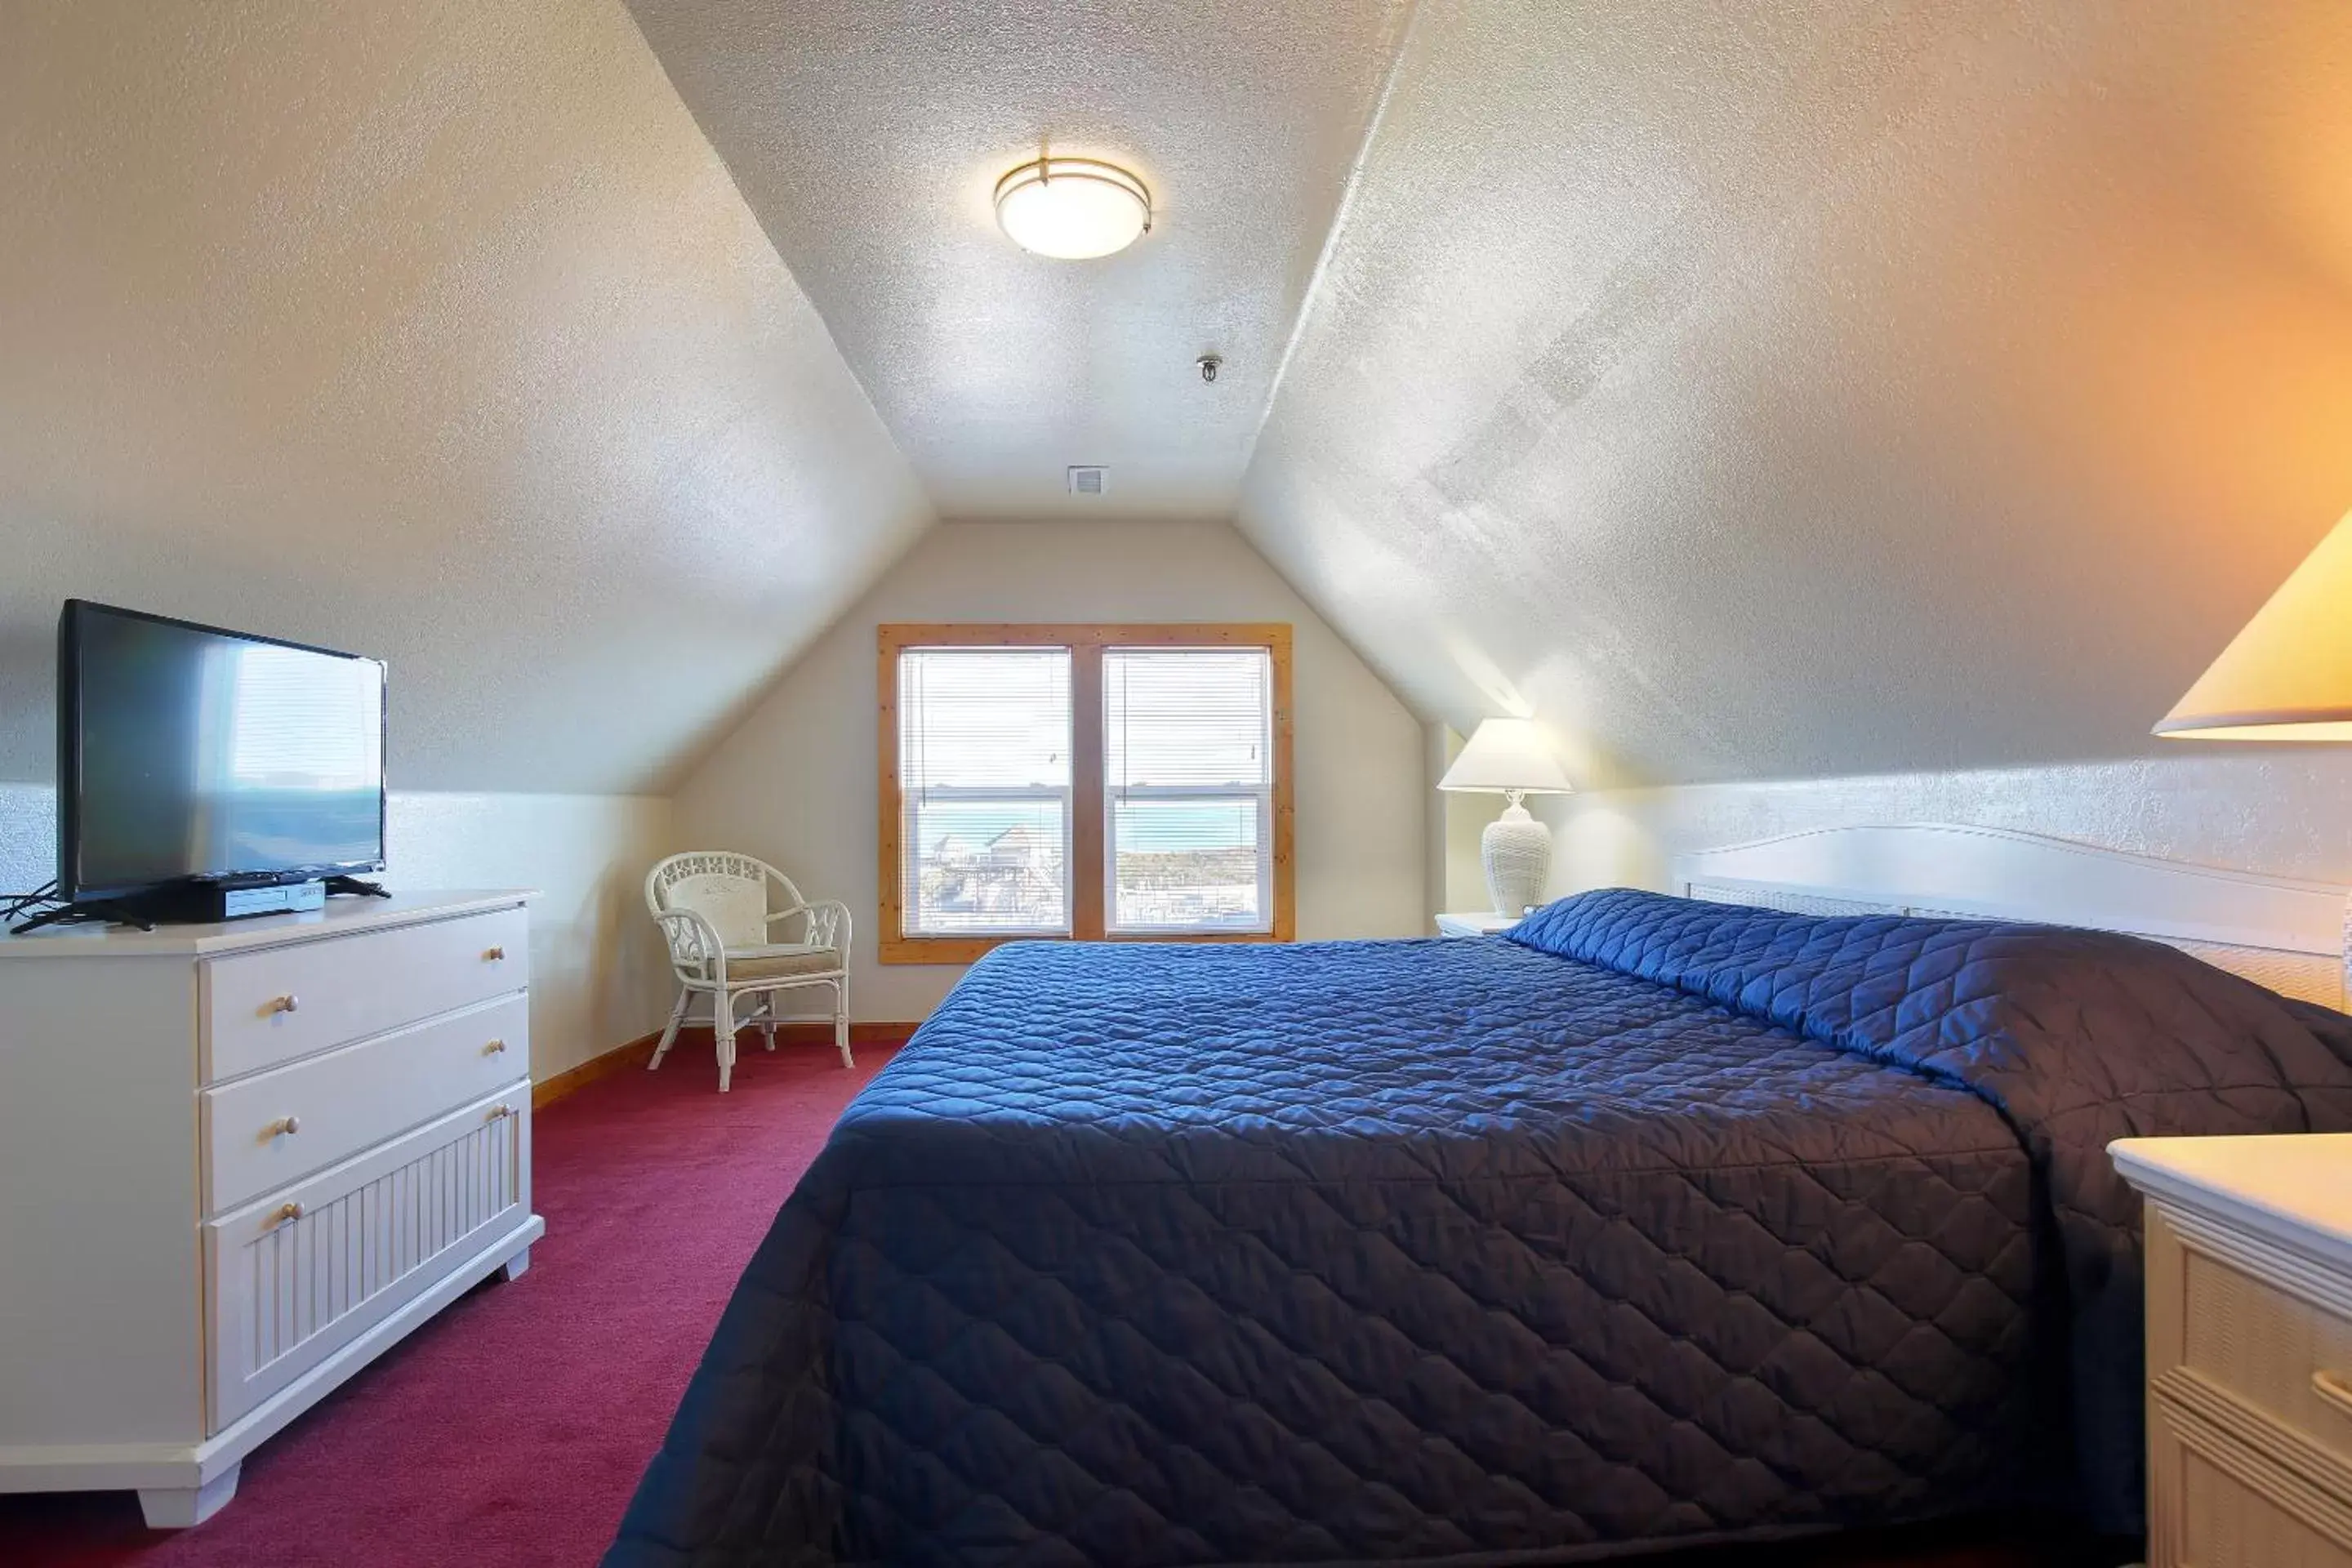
x=2288, y=675
x=1507, y=756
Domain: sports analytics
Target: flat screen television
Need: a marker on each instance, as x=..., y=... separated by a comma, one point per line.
x=190, y=755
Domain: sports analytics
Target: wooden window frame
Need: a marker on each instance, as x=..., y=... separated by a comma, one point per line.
x=1085, y=643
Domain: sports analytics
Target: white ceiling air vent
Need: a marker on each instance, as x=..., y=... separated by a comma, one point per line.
x=1089, y=479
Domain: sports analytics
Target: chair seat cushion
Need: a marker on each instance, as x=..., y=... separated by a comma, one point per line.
x=778, y=961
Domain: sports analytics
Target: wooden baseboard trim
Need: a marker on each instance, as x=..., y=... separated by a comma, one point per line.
x=637, y=1053
x=634, y=1054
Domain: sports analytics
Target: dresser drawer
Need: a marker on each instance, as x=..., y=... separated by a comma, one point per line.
x=343, y=1102
x=255, y=1010
x=2279, y=1353
x=2219, y=1504
x=295, y=1277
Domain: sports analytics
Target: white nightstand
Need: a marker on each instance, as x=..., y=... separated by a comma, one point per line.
x=2248, y=1348
x=1478, y=923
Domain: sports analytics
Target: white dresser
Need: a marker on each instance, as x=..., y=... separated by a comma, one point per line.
x=237, y=1162
x=2249, y=1349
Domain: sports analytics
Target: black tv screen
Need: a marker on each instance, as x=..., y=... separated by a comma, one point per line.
x=188, y=753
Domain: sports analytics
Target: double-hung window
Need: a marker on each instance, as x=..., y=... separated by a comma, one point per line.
x=1119, y=783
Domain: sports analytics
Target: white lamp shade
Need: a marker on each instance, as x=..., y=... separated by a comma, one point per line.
x=2288, y=675
x=1507, y=756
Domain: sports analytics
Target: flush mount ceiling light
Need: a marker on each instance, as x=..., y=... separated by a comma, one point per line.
x=1073, y=208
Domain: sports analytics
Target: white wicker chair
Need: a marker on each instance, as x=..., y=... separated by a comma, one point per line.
x=715, y=912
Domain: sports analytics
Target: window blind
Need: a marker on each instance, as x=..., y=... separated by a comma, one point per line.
x=1187, y=789
x=984, y=773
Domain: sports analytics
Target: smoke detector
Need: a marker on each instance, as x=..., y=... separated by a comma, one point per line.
x=1089, y=479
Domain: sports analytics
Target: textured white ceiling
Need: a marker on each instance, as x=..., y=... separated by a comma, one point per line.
x=1748, y=391
x=1791, y=390
x=868, y=138
x=434, y=331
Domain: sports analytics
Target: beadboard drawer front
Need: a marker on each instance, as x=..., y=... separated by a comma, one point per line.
x=2224, y=1523
x=2282, y=1354
x=257, y=1009
x=347, y=1099
x=2218, y=1504
x=294, y=1277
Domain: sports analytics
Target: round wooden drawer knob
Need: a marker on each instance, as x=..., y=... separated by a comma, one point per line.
x=289, y=1125
x=492, y=955
x=495, y=1048
x=289, y=1211
x=286, y=1004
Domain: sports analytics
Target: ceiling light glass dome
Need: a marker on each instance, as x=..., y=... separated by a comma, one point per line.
x=1073, y=208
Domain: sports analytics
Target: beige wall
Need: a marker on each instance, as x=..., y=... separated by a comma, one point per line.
x=795, y=784
x=2285, y=812
x=598, y=978
x=1456, y=875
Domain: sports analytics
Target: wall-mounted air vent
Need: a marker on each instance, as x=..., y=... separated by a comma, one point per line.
x=1088, y=479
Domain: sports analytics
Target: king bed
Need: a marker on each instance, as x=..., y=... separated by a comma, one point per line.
x=1662, y=1220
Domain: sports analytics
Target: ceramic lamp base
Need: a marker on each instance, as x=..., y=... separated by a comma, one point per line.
x=1516, y=851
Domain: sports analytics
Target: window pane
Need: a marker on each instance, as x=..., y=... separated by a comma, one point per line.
x=984, y=776
x=1189, y=865
x=1186, y=716
x=1188, y=788
x=987, y=867
x=984, y=718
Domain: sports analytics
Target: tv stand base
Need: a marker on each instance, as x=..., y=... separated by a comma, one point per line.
x=96, y=910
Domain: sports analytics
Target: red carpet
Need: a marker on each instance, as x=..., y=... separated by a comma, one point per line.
x=512, y=1429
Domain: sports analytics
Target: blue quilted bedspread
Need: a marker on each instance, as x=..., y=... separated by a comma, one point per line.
x=1660, y=1222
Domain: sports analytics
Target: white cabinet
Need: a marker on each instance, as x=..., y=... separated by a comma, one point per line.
x=2249, y=1349
x=237, y=1162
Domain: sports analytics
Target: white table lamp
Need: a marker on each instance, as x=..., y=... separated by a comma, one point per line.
x=1509, y=757
x=2288, y=675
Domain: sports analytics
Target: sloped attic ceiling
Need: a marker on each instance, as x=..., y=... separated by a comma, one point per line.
x=1748, y=391
x=1793, y=390
x=435, y=331
x=869, y=139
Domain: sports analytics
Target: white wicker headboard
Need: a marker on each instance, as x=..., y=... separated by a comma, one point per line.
x=2292, y=936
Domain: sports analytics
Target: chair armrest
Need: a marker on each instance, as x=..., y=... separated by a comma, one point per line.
x=695, y=951
x=829, y=927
